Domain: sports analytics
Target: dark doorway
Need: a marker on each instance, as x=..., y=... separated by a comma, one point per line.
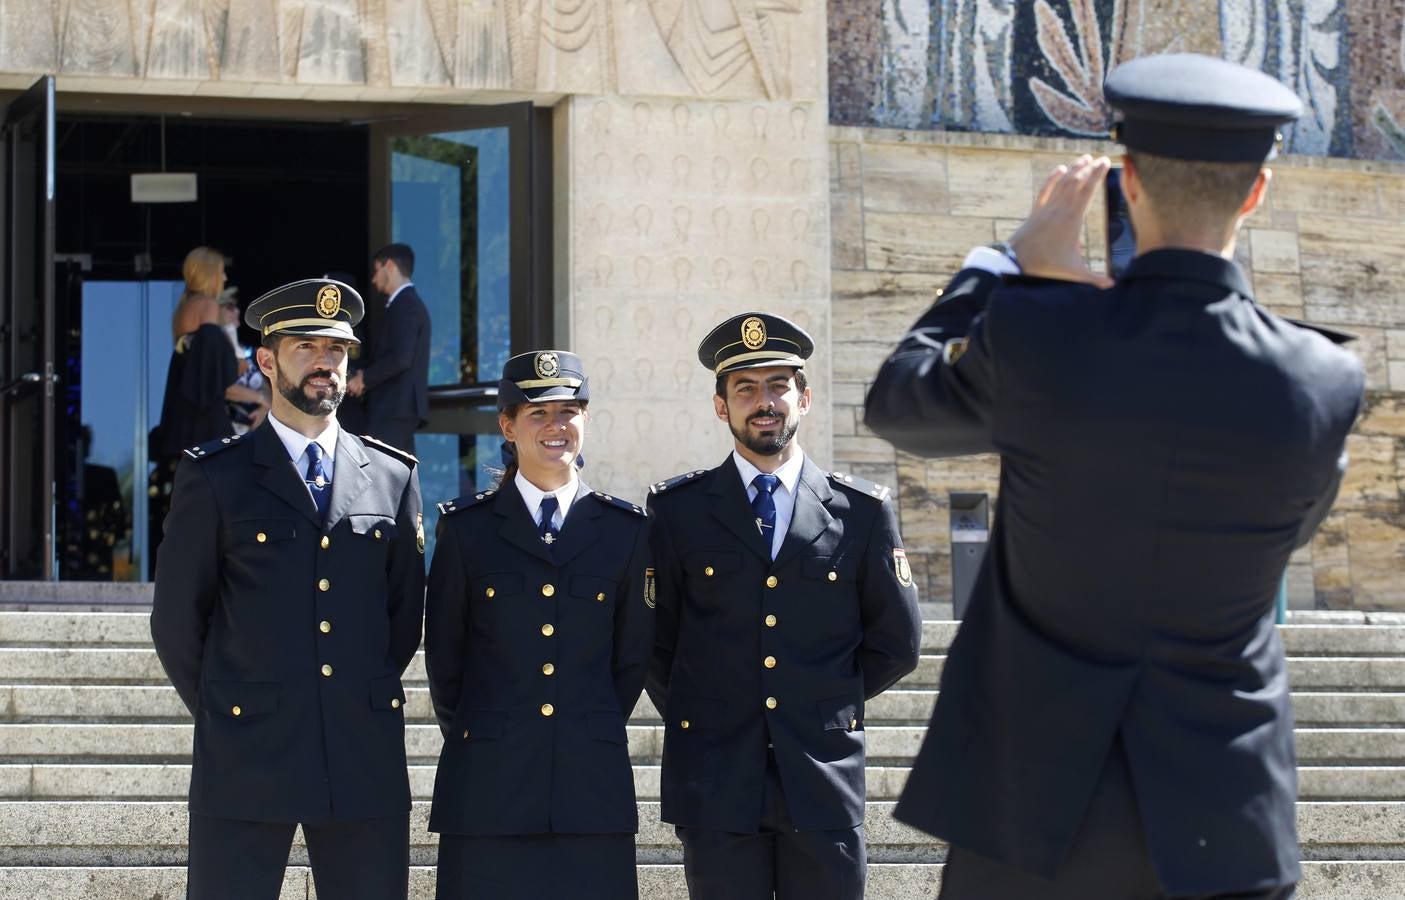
x=282, y=201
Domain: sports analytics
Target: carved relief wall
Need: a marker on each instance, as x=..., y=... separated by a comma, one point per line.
x=683, y=214
x=1037, y=67
x=768, y=49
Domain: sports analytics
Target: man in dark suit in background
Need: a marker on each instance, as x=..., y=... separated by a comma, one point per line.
x=784, y=602
x=396, y=382
x=289, y=600
x=1114, y=718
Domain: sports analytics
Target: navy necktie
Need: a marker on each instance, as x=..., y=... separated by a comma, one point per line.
x=548, y=513
x=317, y=481
x=764, y=506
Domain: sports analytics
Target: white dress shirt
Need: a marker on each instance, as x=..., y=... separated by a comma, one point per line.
x=784, y=496
x=396, y=293
x=296, y=445
x=533, y=496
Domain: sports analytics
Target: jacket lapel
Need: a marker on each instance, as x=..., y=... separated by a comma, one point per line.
x=733, y=510
x=515, y=523
x=579, y=530
x=280, y=475
x=810, y=517
x=349, y=477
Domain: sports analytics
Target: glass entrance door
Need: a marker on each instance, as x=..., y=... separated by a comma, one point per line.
x=468, y=192
x=28, y=371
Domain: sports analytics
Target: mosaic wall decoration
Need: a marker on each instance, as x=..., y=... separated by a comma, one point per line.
x=1037, y=67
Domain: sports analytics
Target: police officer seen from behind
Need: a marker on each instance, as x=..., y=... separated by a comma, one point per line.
x=1114, y=716
x=289, y=594
x=784, y=602
x=538, y=632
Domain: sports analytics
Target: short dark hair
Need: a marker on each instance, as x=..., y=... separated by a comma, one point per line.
x=801, y=381
x=400, y=254
x=1192, y=192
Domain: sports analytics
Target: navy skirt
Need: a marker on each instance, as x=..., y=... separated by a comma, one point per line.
x=537, y=867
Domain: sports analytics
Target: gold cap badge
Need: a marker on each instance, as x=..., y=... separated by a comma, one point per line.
x=548, y=365
x=329, y=301
x=753, y=333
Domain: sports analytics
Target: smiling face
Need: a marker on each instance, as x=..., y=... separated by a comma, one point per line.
x=308, y=373
x=548, y=437
x=762, y=407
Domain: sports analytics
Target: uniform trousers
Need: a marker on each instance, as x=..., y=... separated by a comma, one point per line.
x=237, y=860
x=1109, y=858
x=777, y=861
x=536, y=867
x=398, y=433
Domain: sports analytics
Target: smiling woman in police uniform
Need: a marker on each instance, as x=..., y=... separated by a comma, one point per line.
x=539, y=630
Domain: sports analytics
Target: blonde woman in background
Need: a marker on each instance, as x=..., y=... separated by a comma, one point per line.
x=203, y=375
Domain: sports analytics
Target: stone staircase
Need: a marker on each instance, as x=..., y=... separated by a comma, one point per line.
x=95, y=746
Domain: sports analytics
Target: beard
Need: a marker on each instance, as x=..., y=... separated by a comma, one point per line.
x=766, y=444
x=320, y=403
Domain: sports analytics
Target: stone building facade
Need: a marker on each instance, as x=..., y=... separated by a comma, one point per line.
x=692, y=140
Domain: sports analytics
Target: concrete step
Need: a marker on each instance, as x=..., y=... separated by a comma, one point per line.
x=172, y=743
x=1377, y=880
x=170, y=781
x=131, y=629
x=156, y=703
x=38, y=833
x=135, y=665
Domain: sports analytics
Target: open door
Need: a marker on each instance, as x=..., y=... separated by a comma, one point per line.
x=470, y=192
x=28, y=541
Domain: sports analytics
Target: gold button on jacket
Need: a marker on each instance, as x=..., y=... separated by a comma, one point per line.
x=769, y=662
x=548, y=709
x=548, y=629
x=772, y=581
x=548, y=590
x=325, y=627
x=324, y=585
x=326, y=542
x=771, y=621
x=327, y=670
x=772, y=703
x=236, y=711
x=548, y=669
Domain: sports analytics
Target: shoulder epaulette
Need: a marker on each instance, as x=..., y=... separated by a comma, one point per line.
x=659, y=487
x=211, y=448
x=622, y=504
x=382, y=446
x=458, y=504
x=1335, y=335
x=862, y=485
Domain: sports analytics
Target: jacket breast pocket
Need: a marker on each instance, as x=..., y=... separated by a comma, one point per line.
x=711, y=576
x=253, y=533
x=377, y=528
x=835, y=570
x=598, y=593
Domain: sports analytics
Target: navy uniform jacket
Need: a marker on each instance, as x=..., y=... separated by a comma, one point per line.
x=1165, y=445
x=536, y=657
x=285, y=637
x=751, y=650
x=397, y=380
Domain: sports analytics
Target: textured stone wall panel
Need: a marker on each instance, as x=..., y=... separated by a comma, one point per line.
x=683, y=214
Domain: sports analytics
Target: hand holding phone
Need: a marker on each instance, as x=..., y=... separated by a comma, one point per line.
x=1121, y=237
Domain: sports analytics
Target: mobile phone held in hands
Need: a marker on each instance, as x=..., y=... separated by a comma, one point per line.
x=1121, y=239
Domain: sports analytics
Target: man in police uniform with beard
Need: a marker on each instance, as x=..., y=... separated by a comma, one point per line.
x=289, y=596
x=784, y=601
x=1114, y=716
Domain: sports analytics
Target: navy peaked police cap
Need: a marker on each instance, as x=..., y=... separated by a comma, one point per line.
x=752, y=340
x=313, y=307
x=1194, y=107
x=543, y=375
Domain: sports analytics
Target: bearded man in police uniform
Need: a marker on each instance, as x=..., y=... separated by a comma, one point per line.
x=1114, y=716
x=289, y=597
x=784, y=602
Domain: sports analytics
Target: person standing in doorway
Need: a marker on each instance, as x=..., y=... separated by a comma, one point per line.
x=785, y=601
x=396, y=383
x=1114, y=718
x=289, y=600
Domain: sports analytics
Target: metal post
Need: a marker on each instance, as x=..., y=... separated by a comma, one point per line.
x=970, y=530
